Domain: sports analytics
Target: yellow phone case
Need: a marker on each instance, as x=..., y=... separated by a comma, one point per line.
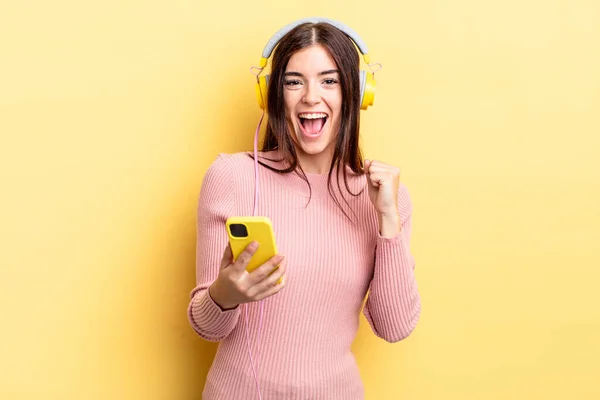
x=259, y=229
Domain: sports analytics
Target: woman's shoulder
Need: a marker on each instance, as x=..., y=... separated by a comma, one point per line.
x=244, y=160
x=240, y=163
x=226, y=165
x=246, y=157
x=230, y=163
x=233, y=159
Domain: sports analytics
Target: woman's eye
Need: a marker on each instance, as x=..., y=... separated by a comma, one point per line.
x=330, y=81
x=292, y=82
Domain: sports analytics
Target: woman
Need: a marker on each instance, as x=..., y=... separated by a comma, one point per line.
x=342, y=227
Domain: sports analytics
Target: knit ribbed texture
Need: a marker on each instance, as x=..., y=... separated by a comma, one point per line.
x=308, y=327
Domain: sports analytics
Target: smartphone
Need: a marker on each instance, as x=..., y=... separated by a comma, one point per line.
x=243, y=230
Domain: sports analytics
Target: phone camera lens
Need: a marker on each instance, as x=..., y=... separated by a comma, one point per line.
x=238, y=230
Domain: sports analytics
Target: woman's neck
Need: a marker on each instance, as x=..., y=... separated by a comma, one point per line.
x=315, y=164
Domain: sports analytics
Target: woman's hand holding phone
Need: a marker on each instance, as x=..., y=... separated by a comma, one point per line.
x=234, y=285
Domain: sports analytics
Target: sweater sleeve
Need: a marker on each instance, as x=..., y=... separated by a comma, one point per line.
x=393, y=305
x=216, y=203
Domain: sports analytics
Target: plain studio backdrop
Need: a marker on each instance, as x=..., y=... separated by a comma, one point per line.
x=111, y=112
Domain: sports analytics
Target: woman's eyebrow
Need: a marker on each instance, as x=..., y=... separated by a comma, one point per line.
x=329, y=71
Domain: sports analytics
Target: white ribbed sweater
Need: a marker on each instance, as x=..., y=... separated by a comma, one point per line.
x=309, y=326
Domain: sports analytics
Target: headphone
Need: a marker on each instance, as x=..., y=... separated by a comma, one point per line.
x=367, y=79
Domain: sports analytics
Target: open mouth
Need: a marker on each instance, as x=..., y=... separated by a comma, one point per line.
x=312, y=123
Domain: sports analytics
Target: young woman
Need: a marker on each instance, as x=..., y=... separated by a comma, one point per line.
x=342, y=227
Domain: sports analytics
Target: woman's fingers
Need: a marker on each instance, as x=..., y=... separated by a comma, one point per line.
x=264, y=270
x=262, y=282
x=273, y=289
x=268, y=282
x=245, y=256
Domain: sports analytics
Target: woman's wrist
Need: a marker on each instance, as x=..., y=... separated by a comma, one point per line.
x=389, y=225
x=217, y=296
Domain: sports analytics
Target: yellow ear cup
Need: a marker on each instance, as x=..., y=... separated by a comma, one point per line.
x=369, y=91
x=261, y=91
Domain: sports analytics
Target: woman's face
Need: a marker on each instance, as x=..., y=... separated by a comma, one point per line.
x=313, y=102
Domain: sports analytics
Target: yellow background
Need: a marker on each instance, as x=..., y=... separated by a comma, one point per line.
x=110, y=113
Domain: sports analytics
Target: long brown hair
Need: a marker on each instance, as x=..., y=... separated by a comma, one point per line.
x=347, y=152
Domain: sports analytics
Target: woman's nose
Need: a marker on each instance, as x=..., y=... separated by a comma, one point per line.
x=311, y=94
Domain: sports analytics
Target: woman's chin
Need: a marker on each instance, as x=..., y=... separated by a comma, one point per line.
x=314, y=148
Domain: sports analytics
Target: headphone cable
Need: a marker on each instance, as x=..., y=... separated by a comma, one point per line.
x=254, y=212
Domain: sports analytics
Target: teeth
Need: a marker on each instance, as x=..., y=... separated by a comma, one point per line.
x=312, y=115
